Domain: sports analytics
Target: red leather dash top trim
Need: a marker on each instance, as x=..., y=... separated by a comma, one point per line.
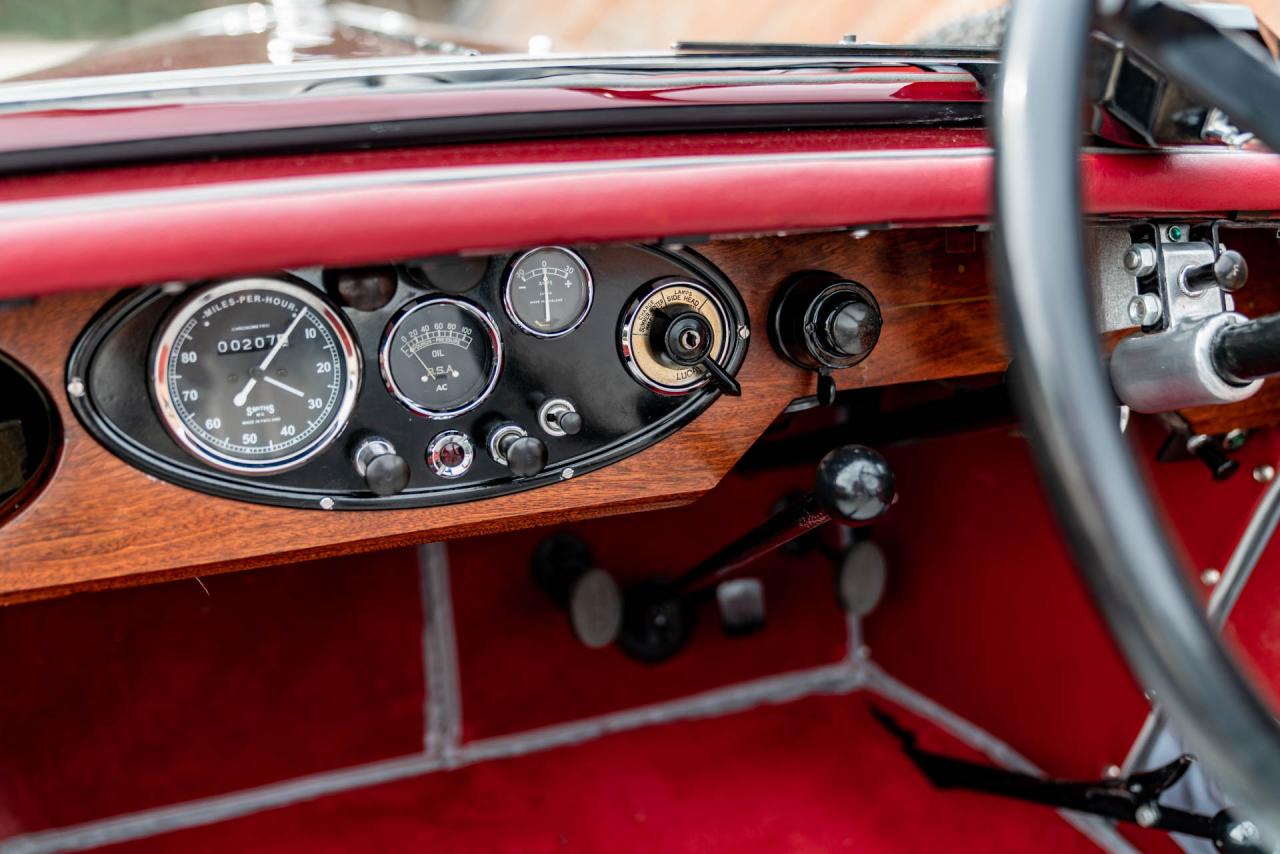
x=137, y=237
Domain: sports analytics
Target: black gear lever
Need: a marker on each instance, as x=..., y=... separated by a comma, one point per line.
x=854, y=486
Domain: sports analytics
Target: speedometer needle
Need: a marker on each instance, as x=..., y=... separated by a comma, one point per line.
x=275, y=382
x=281, y=340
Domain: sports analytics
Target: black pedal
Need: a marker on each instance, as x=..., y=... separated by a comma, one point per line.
x=860, y=578
x=562, y=568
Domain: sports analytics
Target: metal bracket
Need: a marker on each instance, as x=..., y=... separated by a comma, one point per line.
x=1135, y=798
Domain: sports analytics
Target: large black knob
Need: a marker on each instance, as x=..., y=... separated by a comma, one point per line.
x=511, y=446
x=820, y=321
x=526, y=456
x=852, y=327
x=854, y=485
x=384, y=471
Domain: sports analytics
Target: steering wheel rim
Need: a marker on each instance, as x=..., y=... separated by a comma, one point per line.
x=1099, y=495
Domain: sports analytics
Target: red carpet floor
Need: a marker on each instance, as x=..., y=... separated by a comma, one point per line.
x=135, y=699
x=814, y=775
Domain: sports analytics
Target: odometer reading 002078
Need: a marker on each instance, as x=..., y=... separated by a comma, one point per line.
x=256, y=375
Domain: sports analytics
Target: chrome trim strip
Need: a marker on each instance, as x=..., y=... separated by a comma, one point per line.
x=1100, y=831
x=302, y=77
x=204, y=811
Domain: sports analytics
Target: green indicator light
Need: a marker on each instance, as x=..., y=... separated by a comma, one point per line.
x=1175, y=233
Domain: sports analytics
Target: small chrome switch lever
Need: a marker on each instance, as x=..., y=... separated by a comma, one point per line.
x=559, y=417
x=384, y=471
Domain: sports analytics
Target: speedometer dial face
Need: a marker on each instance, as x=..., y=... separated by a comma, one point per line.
x=256, y=375
x=441, y=357
x=548, y=291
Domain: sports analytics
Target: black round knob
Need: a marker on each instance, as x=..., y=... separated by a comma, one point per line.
x=854, y=485
x=684, y=337
x=1228, y=271
x=387, y=474
x=852, y=328
x=1231, y=833
x=570, y=422
x=526, y=455
x=821, y=321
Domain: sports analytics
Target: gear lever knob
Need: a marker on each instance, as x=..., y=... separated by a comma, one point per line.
x=854, y=485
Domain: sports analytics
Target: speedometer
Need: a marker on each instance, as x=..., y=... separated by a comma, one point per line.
x=255, y=375
x=441, y=357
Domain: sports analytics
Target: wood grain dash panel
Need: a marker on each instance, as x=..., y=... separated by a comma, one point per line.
x=100, y=523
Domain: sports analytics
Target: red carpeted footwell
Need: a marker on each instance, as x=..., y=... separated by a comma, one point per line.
x=815, y=775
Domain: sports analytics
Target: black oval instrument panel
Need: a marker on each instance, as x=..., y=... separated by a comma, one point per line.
x=440, y=356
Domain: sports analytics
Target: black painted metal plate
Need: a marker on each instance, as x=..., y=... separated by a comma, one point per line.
x=620, y=416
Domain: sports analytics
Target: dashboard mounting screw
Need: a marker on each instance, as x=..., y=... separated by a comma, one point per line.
x=326, y=503
x=566, y=474
x=75, y=387
x=743, y=332
x=1264, y=474
x=1210, y=577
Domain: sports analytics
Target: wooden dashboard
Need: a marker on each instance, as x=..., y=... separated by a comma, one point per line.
x=100, y=522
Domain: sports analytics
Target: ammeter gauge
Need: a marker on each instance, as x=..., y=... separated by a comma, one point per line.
x=548, y=291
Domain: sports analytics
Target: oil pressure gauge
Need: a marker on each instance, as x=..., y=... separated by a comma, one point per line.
x=548, y=291
x=675, y=337
x=440, y=356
